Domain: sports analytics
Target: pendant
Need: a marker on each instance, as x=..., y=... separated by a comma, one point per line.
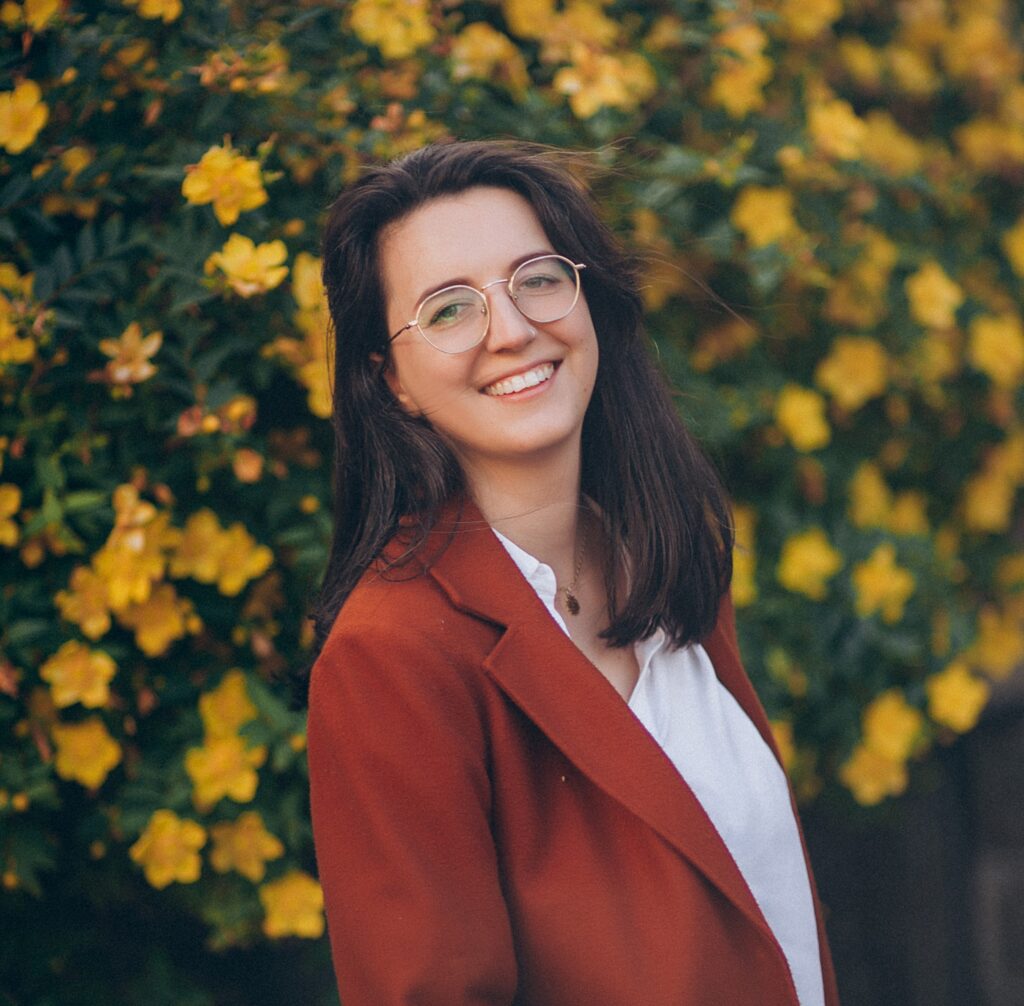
x=571, y=604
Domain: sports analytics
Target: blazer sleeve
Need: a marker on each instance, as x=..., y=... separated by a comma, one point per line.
x=400, y=796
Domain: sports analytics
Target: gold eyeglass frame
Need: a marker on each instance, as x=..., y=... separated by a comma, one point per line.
x=415, y=323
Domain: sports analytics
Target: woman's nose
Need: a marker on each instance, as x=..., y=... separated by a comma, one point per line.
x=509, y=329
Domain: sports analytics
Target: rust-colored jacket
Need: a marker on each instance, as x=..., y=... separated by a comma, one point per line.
x=492, y=823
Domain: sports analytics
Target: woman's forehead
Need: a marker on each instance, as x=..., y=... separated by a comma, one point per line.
x=462, y=237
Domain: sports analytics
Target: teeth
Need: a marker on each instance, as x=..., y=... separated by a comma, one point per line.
x=519, y=382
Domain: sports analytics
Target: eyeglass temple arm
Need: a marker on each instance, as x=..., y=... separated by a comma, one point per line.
x=404, y=328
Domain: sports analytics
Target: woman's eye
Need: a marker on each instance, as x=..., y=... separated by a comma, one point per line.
x=449, y=314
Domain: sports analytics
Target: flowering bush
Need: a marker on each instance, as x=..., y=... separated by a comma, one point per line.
x=825, y=194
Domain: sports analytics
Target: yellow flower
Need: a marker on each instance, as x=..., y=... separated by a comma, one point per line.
x=724, y=342
x=807, y=562
x=159, y=620
x=860, y=296
x=482, y=52
x=294, y=906
x=890, y=147
x=764, y=215
x=168, y=850
x=870, y=497
x=999, y=648
x=133, y=557
x=85, y=602
x=130, y=356
x=956, y=697
x=198, y=552
x=909, y=514
x=741, y=69
x=936, y=357
x=597, y=80
x=881, y=585
x=23, y=113
x=10, y=504
x=996, y=348
x=912, y=70
x=870, y=777
x=1010, y=571
x=226, y=708
x=861, y=61
x=1007, y=458
x=211, y=555
x=397, y=27
x=934, y=297
x=242, y=560
x=309, y=355
x=667, y=32
x=244, y=846
x=800, y=414
x=782, y=731
x=582, y=25
x=836, y=129
x=981, y=48
x=77, y=674
x=74, y=161
x=988, y=502
x=249, y=268
x=744, y=557
x=226, y=178
x=39, y=13
x=528, y=18
x=854, y=372
x=85, y=752
x=891, y=725
x=990, y=144
x=1013, y=245
x=223, y=766
x=166, y=10
x=804, y=20
x=13, y=348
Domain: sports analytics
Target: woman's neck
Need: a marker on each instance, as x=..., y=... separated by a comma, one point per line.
x=537, y=507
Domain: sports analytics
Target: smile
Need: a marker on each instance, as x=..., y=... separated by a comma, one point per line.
x=520, y=382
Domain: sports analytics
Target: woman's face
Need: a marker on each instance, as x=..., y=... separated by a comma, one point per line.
x=474, y=238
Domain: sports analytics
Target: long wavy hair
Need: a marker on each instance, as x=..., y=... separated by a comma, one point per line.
x=659, y=496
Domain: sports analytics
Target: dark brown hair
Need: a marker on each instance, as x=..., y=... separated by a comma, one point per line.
x=660, y=497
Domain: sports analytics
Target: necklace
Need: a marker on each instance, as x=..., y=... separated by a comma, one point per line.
x=572, y=604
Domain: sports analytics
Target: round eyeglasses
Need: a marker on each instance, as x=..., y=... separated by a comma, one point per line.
x=455, y=319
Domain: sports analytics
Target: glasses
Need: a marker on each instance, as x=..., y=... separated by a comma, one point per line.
x=456, y=319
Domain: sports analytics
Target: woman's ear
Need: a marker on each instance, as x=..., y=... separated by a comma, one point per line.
x=387, y=371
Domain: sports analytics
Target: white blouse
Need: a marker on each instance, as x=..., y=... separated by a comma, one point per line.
x=723, y=758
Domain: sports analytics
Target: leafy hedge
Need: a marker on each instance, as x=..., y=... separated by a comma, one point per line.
x=826, y=194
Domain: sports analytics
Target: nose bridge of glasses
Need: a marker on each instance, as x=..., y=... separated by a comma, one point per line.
x=508, y=289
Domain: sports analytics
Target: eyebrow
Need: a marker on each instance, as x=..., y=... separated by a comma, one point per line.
x=464, y=281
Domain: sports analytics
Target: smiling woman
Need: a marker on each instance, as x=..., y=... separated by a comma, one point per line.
x=518, y=391
x=539, y=773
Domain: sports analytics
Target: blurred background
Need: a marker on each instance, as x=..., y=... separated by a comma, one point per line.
x=826, y=196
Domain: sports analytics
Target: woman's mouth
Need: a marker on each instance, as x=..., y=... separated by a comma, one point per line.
x=520, y=382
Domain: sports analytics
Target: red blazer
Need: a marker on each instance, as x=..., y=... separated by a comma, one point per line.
x=492, y=823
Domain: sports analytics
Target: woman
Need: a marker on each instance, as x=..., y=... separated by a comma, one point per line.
x=539, y=774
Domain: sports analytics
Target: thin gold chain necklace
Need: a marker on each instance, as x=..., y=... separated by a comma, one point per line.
x=572, y=604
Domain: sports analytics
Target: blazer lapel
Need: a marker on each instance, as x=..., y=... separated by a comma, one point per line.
x=547, y=676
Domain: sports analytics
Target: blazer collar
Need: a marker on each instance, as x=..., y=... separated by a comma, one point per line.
x=547, y=676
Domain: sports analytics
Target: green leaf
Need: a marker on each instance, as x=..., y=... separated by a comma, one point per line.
x=27, y=630
x=85, y=499
x=14, y=190
x=63, y=265
x=86, y=247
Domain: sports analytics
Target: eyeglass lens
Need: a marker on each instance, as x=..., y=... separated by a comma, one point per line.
x=543, y=289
